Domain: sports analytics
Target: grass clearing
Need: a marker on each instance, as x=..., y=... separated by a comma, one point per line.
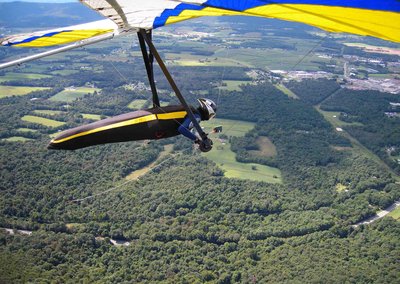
x=395, y=214
x=138, y=173
x=233, y=85
x=137, y=104
x=9, y=91
x=43, y=121
x=340, y=187
x=333, y=118
x=375, y=49
x=49, y=112
x=26, y=130
x=11, y=76
x=91, y=116
x=71, y=94
x=223, y=156
x=64, y=72
x=267, y=148
x=17, y=139
x=286, y=91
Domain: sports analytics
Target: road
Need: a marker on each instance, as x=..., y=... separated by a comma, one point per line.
x=379, y=215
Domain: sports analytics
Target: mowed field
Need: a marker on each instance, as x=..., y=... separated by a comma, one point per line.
x=223, y=156
x=42, y=121
x=333, y=118
x=9, y=91
x=69, y=95
x=395, y=214
x=11, y=76
x=137, y=104
x=233, y=85
x=17, y=139
x=49, y=112
x=91, y=116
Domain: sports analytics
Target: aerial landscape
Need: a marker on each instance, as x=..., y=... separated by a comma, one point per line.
x=302, y=184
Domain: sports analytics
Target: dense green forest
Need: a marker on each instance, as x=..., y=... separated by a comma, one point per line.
x=371, y=119
x=198, y=225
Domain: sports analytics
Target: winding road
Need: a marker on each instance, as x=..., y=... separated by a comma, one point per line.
x=378, y=215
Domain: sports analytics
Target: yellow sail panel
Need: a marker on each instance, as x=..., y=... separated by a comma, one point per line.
x=380, y=24
x=62, y=35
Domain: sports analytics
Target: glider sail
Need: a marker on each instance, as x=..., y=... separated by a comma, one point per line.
x=62, y=36
x=375, y=18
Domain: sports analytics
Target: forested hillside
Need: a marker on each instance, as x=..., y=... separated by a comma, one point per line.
x=159, y=211
x=185, y=220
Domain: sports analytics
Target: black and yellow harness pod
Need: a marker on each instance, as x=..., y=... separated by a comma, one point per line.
x=154, y=123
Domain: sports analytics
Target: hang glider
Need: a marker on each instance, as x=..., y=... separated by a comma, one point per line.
x=376, y=18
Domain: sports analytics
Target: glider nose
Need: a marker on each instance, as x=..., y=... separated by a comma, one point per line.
x=52, y=146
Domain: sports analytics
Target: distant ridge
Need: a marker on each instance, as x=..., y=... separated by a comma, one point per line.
x=44, y=15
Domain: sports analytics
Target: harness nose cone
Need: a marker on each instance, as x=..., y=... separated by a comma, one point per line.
x=54, y=146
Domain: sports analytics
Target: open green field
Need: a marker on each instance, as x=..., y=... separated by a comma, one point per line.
x=375, y=49
x=137, y=104
x=91, y=116
x=223, y=156
x=26, y=130
x=64, y=72
x=9, y=76
x=274, y=58
x=42, y=120
x=233, y=85
x=230, y=127
x=69, y=95
x=188, y=59
x=333, y=118
x=17, y=139
x=49, y=112
x=340, y=187
x=286, y=91
x=9, y=91
x=140, y=172
x=395, y=213
x=266, y=147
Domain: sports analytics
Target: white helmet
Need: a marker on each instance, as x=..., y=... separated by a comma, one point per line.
x=208, y=108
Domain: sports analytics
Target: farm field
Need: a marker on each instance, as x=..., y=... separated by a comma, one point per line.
x=333, y=118
x=267, y=148
x=9, y=91
x=286, y=91
x=140, y=172
x=49, y=112
x=187, y=59
x=375, y=49
x=137, y=104
x=272, y=58
x=223, y=156
x=91, y=116
x=233, y=85
x=26, y=130
x=69, y=95
x=395, y=214
x=22, y=76
x=64, y=72
x=17, y=139
x=42, y=121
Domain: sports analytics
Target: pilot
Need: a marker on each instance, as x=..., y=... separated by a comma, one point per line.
x=206, y=111
x=153, y=123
